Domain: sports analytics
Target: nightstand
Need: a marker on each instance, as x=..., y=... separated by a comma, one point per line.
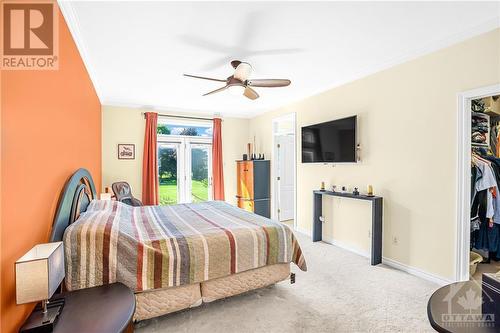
x=107, y=309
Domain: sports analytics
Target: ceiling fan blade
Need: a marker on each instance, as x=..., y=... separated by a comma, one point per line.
x=215, y=91
x=242, y=71
x=250, y=93
x=204, y=78
x=270, y=83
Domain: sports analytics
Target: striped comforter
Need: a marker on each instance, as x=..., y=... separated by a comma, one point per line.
x=154, y=247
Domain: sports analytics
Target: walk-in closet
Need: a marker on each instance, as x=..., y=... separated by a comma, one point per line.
x=485, y=186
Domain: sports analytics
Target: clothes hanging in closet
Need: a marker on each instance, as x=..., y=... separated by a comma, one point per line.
x=485, y=206
x=494, y=139
x=480, y=128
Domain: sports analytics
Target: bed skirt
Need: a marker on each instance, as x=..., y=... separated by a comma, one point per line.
x=159, y=302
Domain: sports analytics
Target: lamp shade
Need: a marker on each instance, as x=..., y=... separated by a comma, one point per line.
x=39, y=272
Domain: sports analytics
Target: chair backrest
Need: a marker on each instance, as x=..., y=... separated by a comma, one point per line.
x=124, y=194
x=122, y=191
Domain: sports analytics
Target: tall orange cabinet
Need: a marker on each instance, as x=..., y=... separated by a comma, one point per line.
x=254, y=190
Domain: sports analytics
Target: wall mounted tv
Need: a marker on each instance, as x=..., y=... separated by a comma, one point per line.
x=330, y=142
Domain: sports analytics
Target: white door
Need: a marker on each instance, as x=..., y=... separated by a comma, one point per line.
x=285, y=148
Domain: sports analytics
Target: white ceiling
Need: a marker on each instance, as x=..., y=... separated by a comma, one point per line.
x=136, y=52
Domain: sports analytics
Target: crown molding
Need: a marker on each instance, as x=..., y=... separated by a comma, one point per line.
x=72, y=21
x=174, y=110
x=71, y=17
x=457, y=38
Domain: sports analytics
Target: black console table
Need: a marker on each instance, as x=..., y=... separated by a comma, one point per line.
x=377, y=209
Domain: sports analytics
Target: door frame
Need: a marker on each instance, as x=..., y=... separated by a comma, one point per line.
x=462, y=246
x=274, y=188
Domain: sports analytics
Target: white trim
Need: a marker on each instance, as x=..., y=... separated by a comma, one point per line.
x=457, y=38
x=296, y=146
x=72, y=21
x=416, y=271
x=462, y=234
x=392, y=263
x=69, y=14
x=175, y=110
x=348, y=247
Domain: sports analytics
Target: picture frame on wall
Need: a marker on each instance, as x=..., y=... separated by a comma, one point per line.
x=126, y=151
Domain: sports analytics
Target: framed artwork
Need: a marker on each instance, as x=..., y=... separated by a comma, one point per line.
x=126, y=151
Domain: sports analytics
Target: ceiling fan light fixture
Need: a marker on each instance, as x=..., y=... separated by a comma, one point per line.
x=243, y=71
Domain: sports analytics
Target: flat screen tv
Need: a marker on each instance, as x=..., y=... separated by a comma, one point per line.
x=330, y=142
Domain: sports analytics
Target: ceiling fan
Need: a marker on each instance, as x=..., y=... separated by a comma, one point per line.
x=240, y=79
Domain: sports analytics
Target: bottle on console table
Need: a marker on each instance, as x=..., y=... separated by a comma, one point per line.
x=322, y=186
x=370, y=191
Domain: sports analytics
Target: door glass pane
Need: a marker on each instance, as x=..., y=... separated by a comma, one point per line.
x=167, y=166
x=199, y=174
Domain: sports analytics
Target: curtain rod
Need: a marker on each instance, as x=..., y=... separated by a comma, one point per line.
x=182, y=117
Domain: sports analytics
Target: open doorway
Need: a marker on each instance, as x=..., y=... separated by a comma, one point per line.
x=478, y=200
x=284, y=170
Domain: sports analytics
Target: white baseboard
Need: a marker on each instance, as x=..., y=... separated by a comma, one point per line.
x=303, y=231
x=416, y=271
x=347, y=247
x=387, y=261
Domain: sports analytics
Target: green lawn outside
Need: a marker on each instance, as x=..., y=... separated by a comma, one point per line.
x=168, y=192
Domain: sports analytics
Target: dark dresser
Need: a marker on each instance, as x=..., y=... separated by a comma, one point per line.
x=254, y=188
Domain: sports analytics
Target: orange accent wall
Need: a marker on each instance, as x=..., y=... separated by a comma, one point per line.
x=51, y=125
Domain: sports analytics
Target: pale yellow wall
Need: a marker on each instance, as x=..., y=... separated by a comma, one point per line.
x=407, y=122
x=126, y=125
x=234, y=141
x=122, y=125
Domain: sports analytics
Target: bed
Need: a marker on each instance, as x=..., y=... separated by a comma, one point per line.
x=173, y=257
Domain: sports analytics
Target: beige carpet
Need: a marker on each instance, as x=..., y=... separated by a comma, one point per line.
x=341, y=292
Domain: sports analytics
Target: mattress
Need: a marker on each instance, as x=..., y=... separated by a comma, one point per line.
x=158, y=247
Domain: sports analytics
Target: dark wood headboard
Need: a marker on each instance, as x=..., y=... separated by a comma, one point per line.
x=78, y=192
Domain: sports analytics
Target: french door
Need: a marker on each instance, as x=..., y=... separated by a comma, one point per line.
x=185, y=170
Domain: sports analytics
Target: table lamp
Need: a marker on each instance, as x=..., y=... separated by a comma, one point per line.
x=38, y=275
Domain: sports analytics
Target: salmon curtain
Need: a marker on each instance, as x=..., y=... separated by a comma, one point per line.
x=217, y=172
x=150, y=162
